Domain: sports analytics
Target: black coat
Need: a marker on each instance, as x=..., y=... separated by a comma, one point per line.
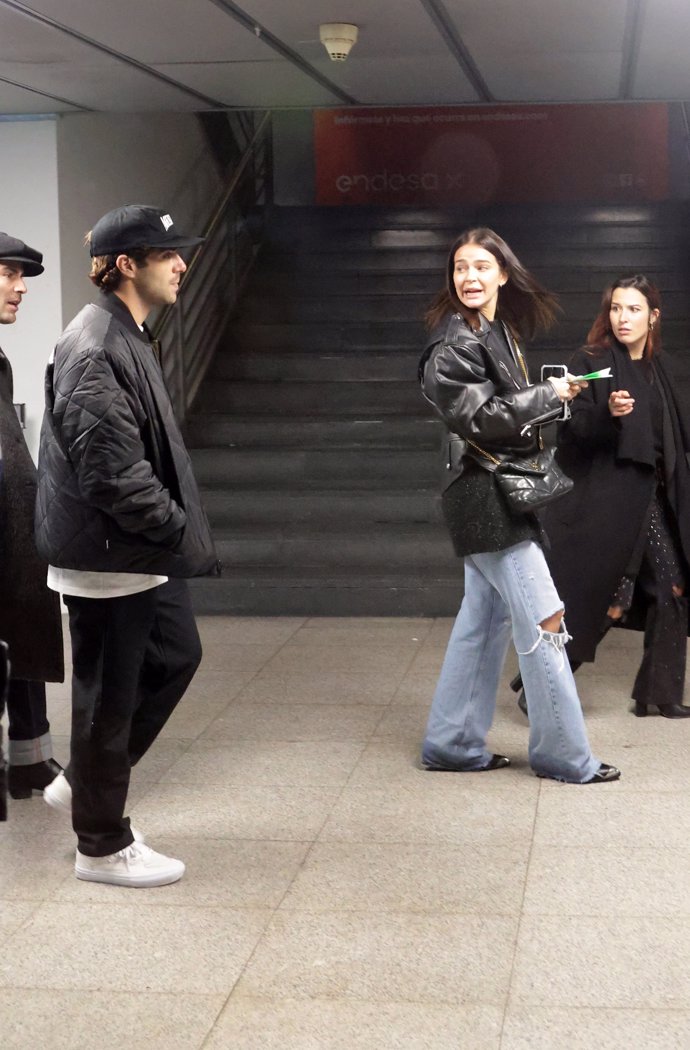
x=481, y=392
x=30, y=619
x=4, y=677
x=597, y=527
x=116, y=489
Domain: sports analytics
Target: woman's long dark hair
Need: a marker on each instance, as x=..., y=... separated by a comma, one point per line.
x=523, y=303
x=601, y=333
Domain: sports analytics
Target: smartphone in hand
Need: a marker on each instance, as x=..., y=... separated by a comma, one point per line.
x=561, y=372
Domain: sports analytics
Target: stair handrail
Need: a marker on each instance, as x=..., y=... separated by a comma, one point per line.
x=686, y=127
x=188, y=330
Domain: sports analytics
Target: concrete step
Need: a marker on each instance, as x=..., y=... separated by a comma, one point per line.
x=363, y=228
x=232, y=430
x=267, y=593
x=383, y=548
x=307, y=307
x=283, y=467
x=316, y=365
x=288, y=282
x=405, y=335
x=589, y=278
x=328, y=506
x=309, y=398
x=515, y=218
x=357, y=336
x=670, y=254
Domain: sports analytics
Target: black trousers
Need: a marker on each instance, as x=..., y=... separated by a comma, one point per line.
x=661, y=675
x=26, y=710
x=132, y=660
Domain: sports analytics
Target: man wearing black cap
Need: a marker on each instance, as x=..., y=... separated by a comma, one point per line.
x=29, y=613
x=120, y=520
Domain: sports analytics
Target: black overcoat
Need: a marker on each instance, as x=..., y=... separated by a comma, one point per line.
x=30, y=619
x=595, y=529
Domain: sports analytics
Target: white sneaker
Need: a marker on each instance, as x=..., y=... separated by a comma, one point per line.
x=58, y=794
x=136, y=865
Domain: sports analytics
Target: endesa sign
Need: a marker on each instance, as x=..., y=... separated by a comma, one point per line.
x=475, y=155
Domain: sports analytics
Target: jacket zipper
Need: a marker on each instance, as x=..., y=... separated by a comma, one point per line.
x=507, y=371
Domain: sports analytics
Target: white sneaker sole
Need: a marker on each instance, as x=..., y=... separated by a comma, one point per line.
x=133, y=881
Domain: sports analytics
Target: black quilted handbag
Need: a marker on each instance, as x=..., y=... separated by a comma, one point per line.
x=529, y=482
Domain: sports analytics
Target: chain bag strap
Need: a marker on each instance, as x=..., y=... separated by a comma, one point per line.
x=528, y=483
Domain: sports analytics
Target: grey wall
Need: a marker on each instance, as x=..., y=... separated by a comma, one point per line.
x=293, y=158
x=108, y=159
x=28, y=156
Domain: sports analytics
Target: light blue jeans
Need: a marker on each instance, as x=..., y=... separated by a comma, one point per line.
x=508, y=591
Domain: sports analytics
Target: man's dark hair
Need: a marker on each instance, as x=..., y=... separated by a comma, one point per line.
x=104, y=272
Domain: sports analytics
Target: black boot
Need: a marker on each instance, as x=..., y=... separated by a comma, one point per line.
x=23, y=780
x=667, y=710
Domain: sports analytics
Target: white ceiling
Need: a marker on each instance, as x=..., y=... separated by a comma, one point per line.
x=129, y=55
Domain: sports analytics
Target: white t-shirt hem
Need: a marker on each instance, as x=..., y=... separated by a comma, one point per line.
x=80, y=583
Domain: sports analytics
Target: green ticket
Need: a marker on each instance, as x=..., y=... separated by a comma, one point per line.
x=603, y=373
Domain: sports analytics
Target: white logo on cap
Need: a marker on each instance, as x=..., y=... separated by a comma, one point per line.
x=167, y=222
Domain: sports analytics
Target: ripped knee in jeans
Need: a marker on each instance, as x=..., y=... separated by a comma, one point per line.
x=553, y=623
x=552, y=631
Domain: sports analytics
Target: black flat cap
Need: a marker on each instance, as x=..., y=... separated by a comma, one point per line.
x=14, y=250
x=137, y=226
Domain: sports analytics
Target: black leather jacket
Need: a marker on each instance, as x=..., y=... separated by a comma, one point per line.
x=116, y=491
x=483, y=395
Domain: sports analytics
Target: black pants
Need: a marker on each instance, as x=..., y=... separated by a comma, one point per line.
x=661, y=675
x=26, y=710
x=132, y=660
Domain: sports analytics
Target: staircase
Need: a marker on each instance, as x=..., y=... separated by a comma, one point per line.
x=317, y=457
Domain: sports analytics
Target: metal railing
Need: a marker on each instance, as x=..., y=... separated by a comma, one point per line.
x=686, y=127
x=189, y=330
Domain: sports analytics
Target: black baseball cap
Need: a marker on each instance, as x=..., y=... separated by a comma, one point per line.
x=137, y=226
x=14, y=250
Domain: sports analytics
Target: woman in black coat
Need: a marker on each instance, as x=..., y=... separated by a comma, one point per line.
x=620, y=540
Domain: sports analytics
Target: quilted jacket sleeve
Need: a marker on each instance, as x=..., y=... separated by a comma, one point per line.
x=456, y=382
x=100, y=422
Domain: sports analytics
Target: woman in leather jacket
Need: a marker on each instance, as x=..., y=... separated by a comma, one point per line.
x=474, y=374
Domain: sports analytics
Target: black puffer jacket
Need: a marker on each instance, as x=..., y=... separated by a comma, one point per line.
x=483, y=395
x=116, y=491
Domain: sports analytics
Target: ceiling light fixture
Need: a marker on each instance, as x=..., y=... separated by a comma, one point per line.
x=338, y=39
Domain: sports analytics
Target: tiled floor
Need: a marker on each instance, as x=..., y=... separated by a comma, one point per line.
x=339, y=898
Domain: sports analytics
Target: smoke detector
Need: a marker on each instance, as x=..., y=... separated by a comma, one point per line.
x=338, y=38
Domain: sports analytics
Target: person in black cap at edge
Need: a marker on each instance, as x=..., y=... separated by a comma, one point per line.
x=30, y=620
x=119, y=518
